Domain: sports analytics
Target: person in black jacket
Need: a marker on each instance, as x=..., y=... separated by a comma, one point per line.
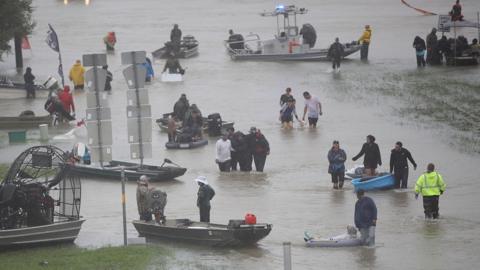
x=29, y=82
x=335, y=53
x=260, y=151
x=108, y=85
x=365, y=218
x=420, y=48
x=372, y=156
x=242, y=153
x=399, y=164
x=250, y=142
x=205, y=195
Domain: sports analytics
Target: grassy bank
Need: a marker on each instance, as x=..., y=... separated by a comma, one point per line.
x=73, y=258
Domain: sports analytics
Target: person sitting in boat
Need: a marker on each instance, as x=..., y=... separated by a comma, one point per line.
x=456, y=12
x=142, y=196
x=173, y=65
x=194, y=121
x=475, y=48
x=309, y=35
x=235, y=41
x=157, y=200
x=204, y=195
x=181, y=107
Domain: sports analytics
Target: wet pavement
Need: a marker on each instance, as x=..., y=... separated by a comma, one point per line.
x=388, y=97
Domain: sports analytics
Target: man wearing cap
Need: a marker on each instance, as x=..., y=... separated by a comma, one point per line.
x=205, y=195
x=222, y=153
x=399, y=164
x=431, y=186
x=365, y=218
x=364, y=40
x=142, y=195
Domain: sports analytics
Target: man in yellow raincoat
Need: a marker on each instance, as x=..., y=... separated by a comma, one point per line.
x=76, y=75
x=364, y=40
x=431, y=186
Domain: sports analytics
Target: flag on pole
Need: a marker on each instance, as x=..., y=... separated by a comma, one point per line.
x=52, y=39
x=26, y=43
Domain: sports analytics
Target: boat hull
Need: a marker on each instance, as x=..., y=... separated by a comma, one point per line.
x=203, y=233
x=188, y=145
x=163, y=122
x=312, y=55
x=53, y=233
x=155, y=173
x=24, y=121
x=380, y=182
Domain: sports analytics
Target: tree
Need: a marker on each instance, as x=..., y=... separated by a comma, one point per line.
x=15, y=20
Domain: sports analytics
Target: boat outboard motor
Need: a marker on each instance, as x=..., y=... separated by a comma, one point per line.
x=214, y=124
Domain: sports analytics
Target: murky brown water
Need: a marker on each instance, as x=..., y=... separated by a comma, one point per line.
x=295, y=192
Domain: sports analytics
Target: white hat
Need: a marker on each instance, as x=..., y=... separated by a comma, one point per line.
x=201, y=179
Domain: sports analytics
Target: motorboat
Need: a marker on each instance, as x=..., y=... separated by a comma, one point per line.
x=380, y=181
x=188, y=48
x=39, y=200
x=133, y=171
x=236, y=233
x=24, y=120
x=286, y=45
x=186, y=145
x=213, y=126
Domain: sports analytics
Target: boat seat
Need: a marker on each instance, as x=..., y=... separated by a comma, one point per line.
x=6, y=193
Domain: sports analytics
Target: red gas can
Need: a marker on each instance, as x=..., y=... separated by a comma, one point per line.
x=250, y=219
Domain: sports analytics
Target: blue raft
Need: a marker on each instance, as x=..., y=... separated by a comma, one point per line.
x=384, y=181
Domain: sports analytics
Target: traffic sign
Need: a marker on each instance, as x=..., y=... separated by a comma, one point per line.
x=143, y=111
x=132, y=97
x=146, y=129
x=93, y=114
x=129, y=74
x=90, y=79
x=96, y=59
x=105, y=132
x=135, y=150
x=134, y=57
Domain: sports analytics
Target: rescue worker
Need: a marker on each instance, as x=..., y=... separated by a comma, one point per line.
x=335, y=53
x=76, y=75
x=29, y=82
x=309, y=35
x=67, y=100
x=142, y=195
x=235, y=41
x=336, y=159
x=204, y=196
x=180, y=108
x=365, y=218
x=456, y=12
x=419, y=45
x=372, y=156
x=399, y=164
x=260, y=151
x=173, y=65
x=223, y=149
x=432, y=48
x=175, y=38
x=431, y=186
x=364, y=40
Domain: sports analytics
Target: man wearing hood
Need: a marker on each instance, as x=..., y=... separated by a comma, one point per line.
x=76, y=75
x=180, y=108
x=204, y=195
x=67, y=100
x=432, y=48
x=335, y=53
x=372, y=156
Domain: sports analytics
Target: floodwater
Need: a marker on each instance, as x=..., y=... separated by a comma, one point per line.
x=434, y=112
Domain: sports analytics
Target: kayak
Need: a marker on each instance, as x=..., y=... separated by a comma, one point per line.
x=343, y=240
x=381, y=181
x=186, y=145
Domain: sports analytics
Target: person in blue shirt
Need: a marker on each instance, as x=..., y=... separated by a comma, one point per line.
x=365, y=218
x=149, y=67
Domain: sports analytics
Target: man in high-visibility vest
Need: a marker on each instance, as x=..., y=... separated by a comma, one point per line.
x=431, y=185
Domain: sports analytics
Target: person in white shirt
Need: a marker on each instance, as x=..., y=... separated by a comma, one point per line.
x=314, y=108
x=222, y=153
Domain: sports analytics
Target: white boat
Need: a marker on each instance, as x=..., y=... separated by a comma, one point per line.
x=287, y=45
x=171, y=77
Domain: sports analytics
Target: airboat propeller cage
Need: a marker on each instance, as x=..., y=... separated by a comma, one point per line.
x=286, y=11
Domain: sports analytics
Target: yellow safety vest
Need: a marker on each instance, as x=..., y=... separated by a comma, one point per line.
x=430, y=184
x=365, y=38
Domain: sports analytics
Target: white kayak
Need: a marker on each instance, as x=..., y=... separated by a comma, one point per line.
x=171, y=77
x=348, y=239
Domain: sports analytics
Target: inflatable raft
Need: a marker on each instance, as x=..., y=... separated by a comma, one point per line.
x=348, y=239
x=186, y=145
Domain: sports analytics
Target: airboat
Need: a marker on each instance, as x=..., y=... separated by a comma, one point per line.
x=39, y=199
x=286, y=45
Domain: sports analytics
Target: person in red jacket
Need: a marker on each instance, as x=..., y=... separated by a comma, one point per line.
x=67, y=100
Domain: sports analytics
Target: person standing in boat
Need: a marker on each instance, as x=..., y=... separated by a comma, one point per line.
x=223, y=149
x=176, y=38
x=336, y=159
x=204, y=195
x=180, y=108
x=142, y=195
x=399, y=164
x=372, y=156
x=29, y=82
x=365, y=218
x=313, y=107
x=364, y=40
x=335, y=53
x=433, y=57
x=309, y=35
x=431, y=186
x=419, y=45
x=456, y=12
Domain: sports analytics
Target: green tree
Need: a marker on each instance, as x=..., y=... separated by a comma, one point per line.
x=15, y=19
